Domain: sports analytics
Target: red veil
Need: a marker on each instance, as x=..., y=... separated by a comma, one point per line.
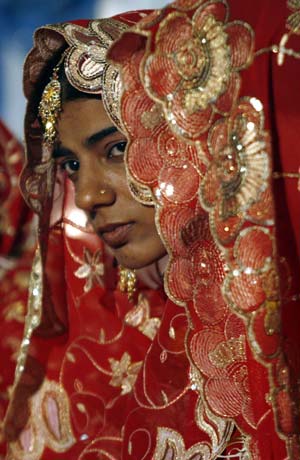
x=211, y=89
x=209, y=118
x=16, y=252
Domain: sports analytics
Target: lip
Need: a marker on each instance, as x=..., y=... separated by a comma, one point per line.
x=115, y=235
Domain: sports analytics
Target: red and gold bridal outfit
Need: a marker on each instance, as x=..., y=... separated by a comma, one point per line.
x=16, y=252
x=84, y=342
x=208, y=143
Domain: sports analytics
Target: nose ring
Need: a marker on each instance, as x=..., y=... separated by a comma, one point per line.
x=102, y=192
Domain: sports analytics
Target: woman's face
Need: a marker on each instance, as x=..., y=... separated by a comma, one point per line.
x=91, y=150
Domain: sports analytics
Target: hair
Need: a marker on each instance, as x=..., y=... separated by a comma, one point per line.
x=68, y=92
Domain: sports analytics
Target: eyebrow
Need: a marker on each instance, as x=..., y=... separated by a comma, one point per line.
x=94, y=138
x=60, y=151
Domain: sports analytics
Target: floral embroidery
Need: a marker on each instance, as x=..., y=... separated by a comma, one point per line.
x=207, y=270
x=293, y=21
x=49, y=424
x=170, y=445
x=15, y=312
x=224, y=365
x=124, y=372
x=239, y=168
x=139, y=317
x=252, y=288
x=193, y=71
x=92, y=269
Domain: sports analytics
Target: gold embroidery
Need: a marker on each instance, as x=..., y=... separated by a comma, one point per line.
x=124, y=372
x=170, y=445
x=228, y=352
x=293, y=21
x=237, y=450
x=92, y=269
x=152, y=118
x=288, y=175
x=139, y=317
x=21, y=279
x=48, y=426
x=33, y=317
x=141, y=193
x=15, y=312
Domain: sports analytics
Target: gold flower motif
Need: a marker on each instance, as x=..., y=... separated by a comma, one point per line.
x=92, y=269
x=139, y=317
x=240, y=167
x=194, y=69
x=15, y=312
x=124, y=373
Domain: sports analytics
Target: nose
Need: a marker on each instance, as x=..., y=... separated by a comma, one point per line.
x=92, y=190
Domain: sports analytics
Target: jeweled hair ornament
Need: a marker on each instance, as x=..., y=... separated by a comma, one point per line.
x=50, y=105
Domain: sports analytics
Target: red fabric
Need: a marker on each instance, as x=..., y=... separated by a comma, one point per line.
x=15, y=263
x=256, y=233
x=222, y=372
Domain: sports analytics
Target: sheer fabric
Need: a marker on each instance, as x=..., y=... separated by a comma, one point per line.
x=209, y=105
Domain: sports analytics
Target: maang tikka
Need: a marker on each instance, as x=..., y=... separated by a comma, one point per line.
x=50, y=105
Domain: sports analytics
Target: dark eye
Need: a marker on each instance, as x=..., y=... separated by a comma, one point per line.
x=117, y=151
x=70, y=166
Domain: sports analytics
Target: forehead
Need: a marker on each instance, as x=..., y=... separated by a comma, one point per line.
x=82, y=118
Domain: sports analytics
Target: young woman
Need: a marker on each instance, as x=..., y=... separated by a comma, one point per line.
x=194, y=369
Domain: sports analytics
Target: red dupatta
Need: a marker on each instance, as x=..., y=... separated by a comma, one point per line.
x=16, y=252
x=211, y=89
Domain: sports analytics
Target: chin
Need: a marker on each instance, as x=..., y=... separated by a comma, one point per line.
x=135, y=259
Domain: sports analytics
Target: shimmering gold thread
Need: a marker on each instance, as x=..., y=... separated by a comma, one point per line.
x=218, y=429
x=228, y=352
x=141, y=193
x=140, y=317
x=213, y=86
x=53, y=388
x=278, y=49
x=67, y=221
x=127, y=282
x=77, y=345
x=223, y=248
x=287, y=175
x=124, y=372
x=168, y=439
x=143, y=430
x=147, y=397
x=42, y=433
x=171, y=322
x=33, y=316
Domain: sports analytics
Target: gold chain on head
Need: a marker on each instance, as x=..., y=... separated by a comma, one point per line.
x=50, y=105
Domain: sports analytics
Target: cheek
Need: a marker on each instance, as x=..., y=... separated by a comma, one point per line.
x=149, y=232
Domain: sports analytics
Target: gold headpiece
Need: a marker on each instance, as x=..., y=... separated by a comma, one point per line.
x=50, y=106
